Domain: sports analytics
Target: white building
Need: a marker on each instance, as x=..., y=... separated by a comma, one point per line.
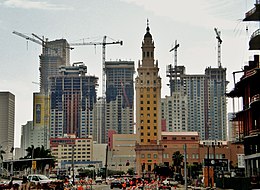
x=7, y=118
x=31, y=136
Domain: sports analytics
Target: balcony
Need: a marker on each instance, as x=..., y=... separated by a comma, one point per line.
x=255, y=98
x=254, y=132
x=253, y=14
x=255, y=102
x=254, y=43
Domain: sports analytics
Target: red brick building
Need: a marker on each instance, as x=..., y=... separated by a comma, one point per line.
x=198, y=150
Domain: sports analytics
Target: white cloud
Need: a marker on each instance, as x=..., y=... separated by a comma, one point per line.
x=28, y=4
x=202, y=13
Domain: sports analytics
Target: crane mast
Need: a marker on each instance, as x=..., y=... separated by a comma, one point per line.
x=219, y=46
x=175, y=64
x=103, y=43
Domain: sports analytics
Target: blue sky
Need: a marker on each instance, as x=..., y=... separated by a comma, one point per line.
x=191, y=23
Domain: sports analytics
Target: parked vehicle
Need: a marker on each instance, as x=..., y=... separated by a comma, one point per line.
x=162, y=186
x=39, y=178
x=116, y=184
x=170, y=182
x=98, y=180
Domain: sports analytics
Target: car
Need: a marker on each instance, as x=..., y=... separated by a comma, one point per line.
x=98, y=180
x=39, y=178
x=170, y=182
x=116, y=184
x=162, y=186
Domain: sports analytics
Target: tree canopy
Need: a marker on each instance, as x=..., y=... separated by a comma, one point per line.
x=177, y=159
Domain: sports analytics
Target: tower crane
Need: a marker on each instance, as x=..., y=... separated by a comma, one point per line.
x=104, y=43
x=175, y=63
x=219, y=45
x=42, y=42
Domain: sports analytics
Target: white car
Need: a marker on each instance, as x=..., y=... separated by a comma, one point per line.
x=39, y=178
x=170, y=182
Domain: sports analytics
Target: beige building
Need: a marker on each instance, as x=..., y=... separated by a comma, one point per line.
x=99, y=153
x=121, y=152
x=65, y=147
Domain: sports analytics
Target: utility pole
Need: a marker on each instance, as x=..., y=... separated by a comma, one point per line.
x=185, y=165
x=72, y=164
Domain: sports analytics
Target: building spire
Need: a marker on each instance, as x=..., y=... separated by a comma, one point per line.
x=147, y=28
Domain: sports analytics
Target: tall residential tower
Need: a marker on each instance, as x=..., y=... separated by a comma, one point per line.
x=72, y=97
x=119, y=97
x=204, y=96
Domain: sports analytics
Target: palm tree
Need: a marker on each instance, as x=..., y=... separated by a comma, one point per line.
x=40, y=152
x=177, y=159
x=30, y=152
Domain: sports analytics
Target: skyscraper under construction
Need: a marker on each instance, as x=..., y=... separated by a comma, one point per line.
x=119, y=97
x=54, y=54
x=72, y=98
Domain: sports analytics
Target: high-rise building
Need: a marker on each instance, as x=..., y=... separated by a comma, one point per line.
x=215, y=104
x=72, y=99
x=54, y=54
x=31, y=136
x=175, y=111
x=148, y=109
x=98, y=130
x=7, y=118
x=205, y=99
x=119, y=97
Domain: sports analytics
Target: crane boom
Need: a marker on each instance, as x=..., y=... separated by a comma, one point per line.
x=103, y=43
x=27, y=37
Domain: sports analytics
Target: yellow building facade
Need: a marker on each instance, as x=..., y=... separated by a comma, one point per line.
x=148, y=109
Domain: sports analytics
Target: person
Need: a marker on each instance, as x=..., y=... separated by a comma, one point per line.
x=11, y=183
x=24, y=183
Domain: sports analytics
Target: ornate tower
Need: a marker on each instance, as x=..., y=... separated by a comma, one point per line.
x=148, y=109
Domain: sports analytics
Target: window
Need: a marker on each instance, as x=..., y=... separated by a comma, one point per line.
x=148, y=155
x=155, y=156
x=142, y=156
